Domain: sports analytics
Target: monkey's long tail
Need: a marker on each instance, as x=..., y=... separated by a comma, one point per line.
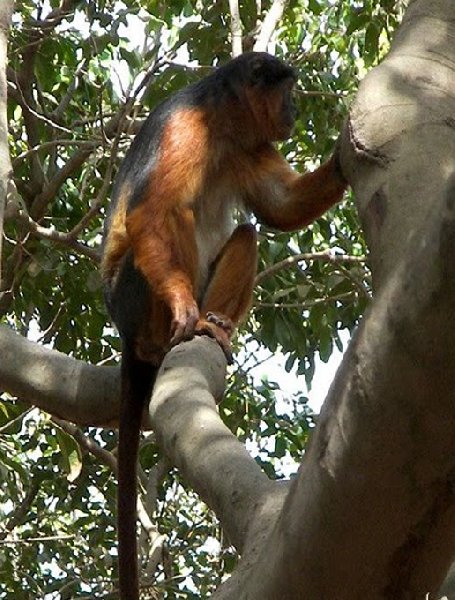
x=137, y=379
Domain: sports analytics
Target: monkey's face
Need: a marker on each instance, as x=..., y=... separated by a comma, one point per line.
x=282, y=112
x=269, y=84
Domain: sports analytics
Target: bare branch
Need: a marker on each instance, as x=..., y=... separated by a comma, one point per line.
x=269, y=25
x=65, y=387
x=73, y=164
x=305, y=305
x=188, y=67
x=58, y=112
x=64, y=239
x=20, y=512
x=320, y=94
x=324, y=256
x=35, y=540
x=189, y=429
x=52, y=144
x=357, y=281
x=17, y=91
x=40, y=28
x=236, y=28
x=6, y=10
x=88, y=444
x=155, y=541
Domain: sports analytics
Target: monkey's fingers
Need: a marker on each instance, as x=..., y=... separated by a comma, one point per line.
x=218, y=333
x=184, y=323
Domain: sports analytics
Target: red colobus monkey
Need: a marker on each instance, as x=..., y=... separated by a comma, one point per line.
x=174, y=264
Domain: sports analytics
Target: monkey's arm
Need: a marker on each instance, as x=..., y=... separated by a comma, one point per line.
x=286, y=200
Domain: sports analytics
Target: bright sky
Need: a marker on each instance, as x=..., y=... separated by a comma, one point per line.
x=291, y=383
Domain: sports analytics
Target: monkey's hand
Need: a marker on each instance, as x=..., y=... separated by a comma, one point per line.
x=185, y=315
x=338, y=170
x=219, y=328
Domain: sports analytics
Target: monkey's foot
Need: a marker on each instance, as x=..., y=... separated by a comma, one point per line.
x=221, y=321
x=219, y=328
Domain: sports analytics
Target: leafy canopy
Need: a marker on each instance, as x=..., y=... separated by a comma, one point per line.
x=79, y=83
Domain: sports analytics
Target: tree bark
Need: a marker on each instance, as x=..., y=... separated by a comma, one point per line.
x=372, y=511
x=65, y=387
x=6, y=11
x=185, y=419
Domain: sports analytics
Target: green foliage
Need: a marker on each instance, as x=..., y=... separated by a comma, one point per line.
x=75, y=81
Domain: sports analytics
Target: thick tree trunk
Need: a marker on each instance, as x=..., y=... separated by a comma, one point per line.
x=372, y=511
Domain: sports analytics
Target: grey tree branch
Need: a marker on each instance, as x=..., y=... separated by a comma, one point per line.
x=269, y=25
x=371, y=513
x=88, y=444
x=305, y=305
x=324, y=256
x=236, y=28
x=65, y=387
x=6, y=11
x=183, y=413
x=64, y=239
x=190, y=432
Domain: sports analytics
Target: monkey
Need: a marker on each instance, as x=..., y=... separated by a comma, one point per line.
x=174, y=264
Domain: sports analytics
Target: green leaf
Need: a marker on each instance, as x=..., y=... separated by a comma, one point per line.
x=280, y=446
x=71, y=456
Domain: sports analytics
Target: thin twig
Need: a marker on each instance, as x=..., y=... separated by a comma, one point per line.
x=19, y=514
x=324, y=256
x=306, y=305
x=188, y=67
x=108, y=458
x=48, y=538
x=25, y=104
x=55, y=17
x=320, y=94
x=88, y=444
x=355, y=280
x=59, y=237
x=51, y=144
x=5, y=427
x=66, y=99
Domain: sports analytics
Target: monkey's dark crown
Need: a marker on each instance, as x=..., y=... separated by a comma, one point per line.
x=259, y=68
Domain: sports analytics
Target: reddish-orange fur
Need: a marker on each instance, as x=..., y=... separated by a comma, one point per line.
x=173, y=264
x=117, y=242
x=161, y=228
x=297, y=200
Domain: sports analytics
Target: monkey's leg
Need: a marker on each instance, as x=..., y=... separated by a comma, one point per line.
x=229, y=293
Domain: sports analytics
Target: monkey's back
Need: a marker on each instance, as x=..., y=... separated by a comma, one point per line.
x=126, y=290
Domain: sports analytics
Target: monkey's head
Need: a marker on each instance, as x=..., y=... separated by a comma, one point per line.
x=264, y=85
